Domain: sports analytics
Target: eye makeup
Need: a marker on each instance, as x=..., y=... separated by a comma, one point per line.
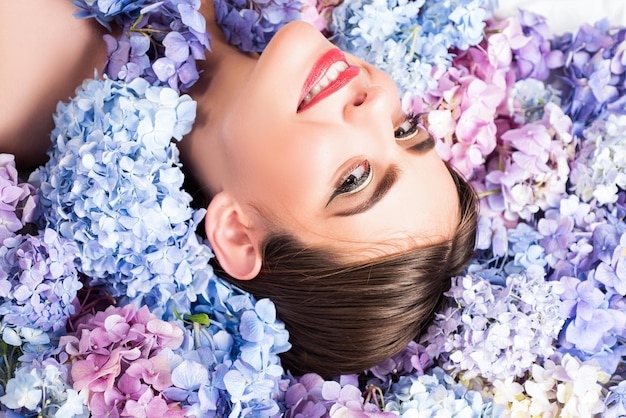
x=355, y=179
x=409, y=128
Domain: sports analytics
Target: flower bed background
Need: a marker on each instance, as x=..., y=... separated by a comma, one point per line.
x=109, y=307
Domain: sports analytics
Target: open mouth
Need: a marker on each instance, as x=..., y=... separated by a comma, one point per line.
x=329, y=74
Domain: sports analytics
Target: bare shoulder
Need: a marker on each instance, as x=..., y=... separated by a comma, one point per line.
x=46, y=53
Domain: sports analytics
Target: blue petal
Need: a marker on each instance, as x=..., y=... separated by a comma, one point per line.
x=251, y=328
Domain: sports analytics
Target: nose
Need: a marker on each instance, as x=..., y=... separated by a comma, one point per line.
x=371, y=106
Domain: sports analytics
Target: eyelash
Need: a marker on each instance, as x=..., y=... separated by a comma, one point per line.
x=409, y=128
x=350, y=183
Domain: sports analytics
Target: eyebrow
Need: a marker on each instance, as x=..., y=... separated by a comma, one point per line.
x=382, y=188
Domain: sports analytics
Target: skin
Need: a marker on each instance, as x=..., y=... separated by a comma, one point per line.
x=46, y=54
x=278, y=167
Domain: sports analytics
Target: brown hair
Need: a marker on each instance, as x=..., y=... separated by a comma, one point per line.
x=346, y=318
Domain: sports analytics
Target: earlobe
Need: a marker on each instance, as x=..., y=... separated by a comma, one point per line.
x=234, y=241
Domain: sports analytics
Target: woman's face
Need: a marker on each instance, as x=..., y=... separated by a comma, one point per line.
x=330, y=170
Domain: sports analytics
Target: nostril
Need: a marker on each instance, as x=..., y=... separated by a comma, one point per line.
x=360, y=99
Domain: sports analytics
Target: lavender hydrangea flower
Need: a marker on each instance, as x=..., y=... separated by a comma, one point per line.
x=534, y=176
x=496, y=332
x=593, y=323
x=311, y=395
x=536, y=57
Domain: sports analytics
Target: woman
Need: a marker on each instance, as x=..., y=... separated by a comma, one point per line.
x=324, y=196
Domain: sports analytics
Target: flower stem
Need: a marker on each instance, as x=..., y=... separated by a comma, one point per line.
x=489, y=193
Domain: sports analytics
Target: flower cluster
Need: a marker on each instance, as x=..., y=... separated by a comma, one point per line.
x=220, y=359
x=598, y=172
x=410, y=40
x=113, y=185
x=38, y=287
x=499, y=127
x=493, y=332
x=17, y=200
x=38, y=276
x=594, y=73
x=159, y=41
x=595, y=303
x=115, y=359
x=534, y=55
x=564, y=386
x=250, y=25
x=532, y=175
x=43, y=389
x=437, y=394
x=310, y=395
x=229, y=362
x=38, y=281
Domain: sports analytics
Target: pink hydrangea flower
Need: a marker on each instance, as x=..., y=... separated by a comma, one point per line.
x=115, y=355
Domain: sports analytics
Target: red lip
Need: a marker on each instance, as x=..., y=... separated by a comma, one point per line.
x=319, y=70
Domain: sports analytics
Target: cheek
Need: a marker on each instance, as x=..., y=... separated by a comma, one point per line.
x=274, y=173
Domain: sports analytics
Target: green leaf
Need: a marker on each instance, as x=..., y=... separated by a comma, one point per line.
x=200, y=318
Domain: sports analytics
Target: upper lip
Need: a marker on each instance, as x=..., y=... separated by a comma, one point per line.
x=320, y=68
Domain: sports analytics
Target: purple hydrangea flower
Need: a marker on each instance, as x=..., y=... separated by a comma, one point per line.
x=251, y=25
x=160, y=40
x=18, y=200
x=593, y=76
x=38, y=280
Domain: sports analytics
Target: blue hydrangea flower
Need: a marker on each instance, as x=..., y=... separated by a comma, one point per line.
x=43, y=389
x=437, y=394
x=410, y=40
x=113, y=185
x=234, y=355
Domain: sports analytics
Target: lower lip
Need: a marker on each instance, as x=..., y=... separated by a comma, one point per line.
x=342, y=80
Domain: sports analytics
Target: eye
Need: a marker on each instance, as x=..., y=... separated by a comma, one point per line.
x=409, y=128
x=355, y=179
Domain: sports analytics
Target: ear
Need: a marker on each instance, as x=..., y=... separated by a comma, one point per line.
x=234, y=241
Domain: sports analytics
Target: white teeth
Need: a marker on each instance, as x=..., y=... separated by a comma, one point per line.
x=331, y=75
